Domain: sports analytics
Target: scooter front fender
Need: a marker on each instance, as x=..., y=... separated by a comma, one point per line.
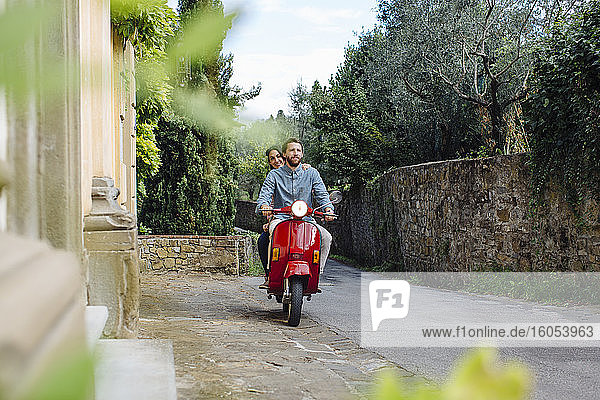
x=297, y=268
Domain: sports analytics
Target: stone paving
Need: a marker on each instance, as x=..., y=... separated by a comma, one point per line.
x=230, y=342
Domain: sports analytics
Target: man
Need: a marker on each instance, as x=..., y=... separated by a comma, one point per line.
x=291, y=182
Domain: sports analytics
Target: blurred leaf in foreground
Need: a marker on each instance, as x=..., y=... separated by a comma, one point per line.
x=71, y=377
x=29, y=60
x=478, y=376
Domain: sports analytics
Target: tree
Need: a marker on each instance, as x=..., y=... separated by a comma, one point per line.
x=193, y=191
x=251, y=144
x=349, y=144
x=300, y=109
x=478, y=49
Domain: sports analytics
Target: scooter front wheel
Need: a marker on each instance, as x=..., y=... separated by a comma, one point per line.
x=295, y=307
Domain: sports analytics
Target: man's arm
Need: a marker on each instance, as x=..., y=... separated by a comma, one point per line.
x=266, y=193
x=321, y=195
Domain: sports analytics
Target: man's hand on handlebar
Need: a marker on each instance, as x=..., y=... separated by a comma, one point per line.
x=328, y=218
x=267, y=211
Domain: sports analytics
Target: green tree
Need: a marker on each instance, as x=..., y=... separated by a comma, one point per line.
x=563, y=110
x=193, y=191
x=348, y=143
x=251, y=144
x=478, y=50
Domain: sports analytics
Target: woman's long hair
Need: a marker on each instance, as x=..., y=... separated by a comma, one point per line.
x=270, y=149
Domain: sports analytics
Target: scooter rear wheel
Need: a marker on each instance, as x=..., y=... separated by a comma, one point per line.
x=295, y=307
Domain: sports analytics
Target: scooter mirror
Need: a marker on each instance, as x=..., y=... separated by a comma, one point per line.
x=335, y=197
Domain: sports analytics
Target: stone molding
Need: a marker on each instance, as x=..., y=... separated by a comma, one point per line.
x=110, y=238
x=106, y=214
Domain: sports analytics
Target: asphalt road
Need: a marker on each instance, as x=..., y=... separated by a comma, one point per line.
x=560, y=373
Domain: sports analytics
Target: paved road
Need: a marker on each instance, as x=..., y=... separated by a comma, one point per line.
x=230, y=342
x=560, y=373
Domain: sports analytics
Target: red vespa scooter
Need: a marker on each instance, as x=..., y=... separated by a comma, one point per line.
x=294, y=257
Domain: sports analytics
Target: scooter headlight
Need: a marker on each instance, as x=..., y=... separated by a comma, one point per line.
x=299, y=208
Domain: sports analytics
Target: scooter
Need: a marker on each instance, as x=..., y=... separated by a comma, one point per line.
x=295, y=256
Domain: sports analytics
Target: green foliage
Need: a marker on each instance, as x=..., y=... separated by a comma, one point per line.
x=150, y=26
x=478, y=376
x=563, y=110
x=70, y=377
x=252, y=172
x=193, y=191
x=185, y=106
x=348, y=145
x=251, y=144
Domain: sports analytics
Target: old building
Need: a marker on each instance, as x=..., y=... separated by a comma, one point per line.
x=67, y=178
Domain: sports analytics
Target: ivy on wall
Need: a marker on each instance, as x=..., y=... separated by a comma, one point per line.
x=564, y=108
x=150, y=26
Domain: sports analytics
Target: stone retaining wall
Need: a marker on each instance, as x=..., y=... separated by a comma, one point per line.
x=246, y=218
x=190, y=253
x=464, y=215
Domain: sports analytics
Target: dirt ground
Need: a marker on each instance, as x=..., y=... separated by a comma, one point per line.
x=231, y=343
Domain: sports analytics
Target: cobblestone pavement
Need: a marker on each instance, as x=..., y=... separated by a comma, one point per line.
x=231, y=343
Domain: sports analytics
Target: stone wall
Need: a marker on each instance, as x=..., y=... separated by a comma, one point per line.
x=246, y=218
x=183, y=253
x=464, y=215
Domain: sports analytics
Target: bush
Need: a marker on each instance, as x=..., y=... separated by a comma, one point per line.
x=193, y=191
x=563, y=110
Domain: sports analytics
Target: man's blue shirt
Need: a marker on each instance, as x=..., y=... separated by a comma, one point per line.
x=283, y=186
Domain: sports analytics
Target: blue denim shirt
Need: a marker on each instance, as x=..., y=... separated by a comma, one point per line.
x=283, y=186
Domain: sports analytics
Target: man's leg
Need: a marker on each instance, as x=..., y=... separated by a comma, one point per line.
x=263, y=251
x=325, y=245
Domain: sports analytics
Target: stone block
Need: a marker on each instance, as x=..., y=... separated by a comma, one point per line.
x=162, y=252
x=42, y=310
x=116, y=240
x=114, y=282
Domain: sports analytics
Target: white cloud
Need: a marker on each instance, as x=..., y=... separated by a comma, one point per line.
x=269, y=5
x=325, y=16
x=279, y=75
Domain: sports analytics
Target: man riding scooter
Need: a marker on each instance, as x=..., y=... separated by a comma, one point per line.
x=289, y=183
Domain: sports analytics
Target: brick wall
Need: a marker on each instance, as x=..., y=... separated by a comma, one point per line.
x=189, y=253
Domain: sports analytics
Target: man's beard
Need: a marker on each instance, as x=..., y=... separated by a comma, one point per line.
x=293, y=163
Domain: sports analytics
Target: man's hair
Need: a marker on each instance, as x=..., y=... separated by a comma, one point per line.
x=291, y=140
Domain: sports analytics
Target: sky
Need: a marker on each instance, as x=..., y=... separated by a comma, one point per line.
x=281, y=42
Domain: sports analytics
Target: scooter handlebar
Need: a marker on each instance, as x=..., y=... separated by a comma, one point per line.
x=285, y=210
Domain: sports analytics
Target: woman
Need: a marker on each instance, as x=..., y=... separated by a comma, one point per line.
x=275, y=160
